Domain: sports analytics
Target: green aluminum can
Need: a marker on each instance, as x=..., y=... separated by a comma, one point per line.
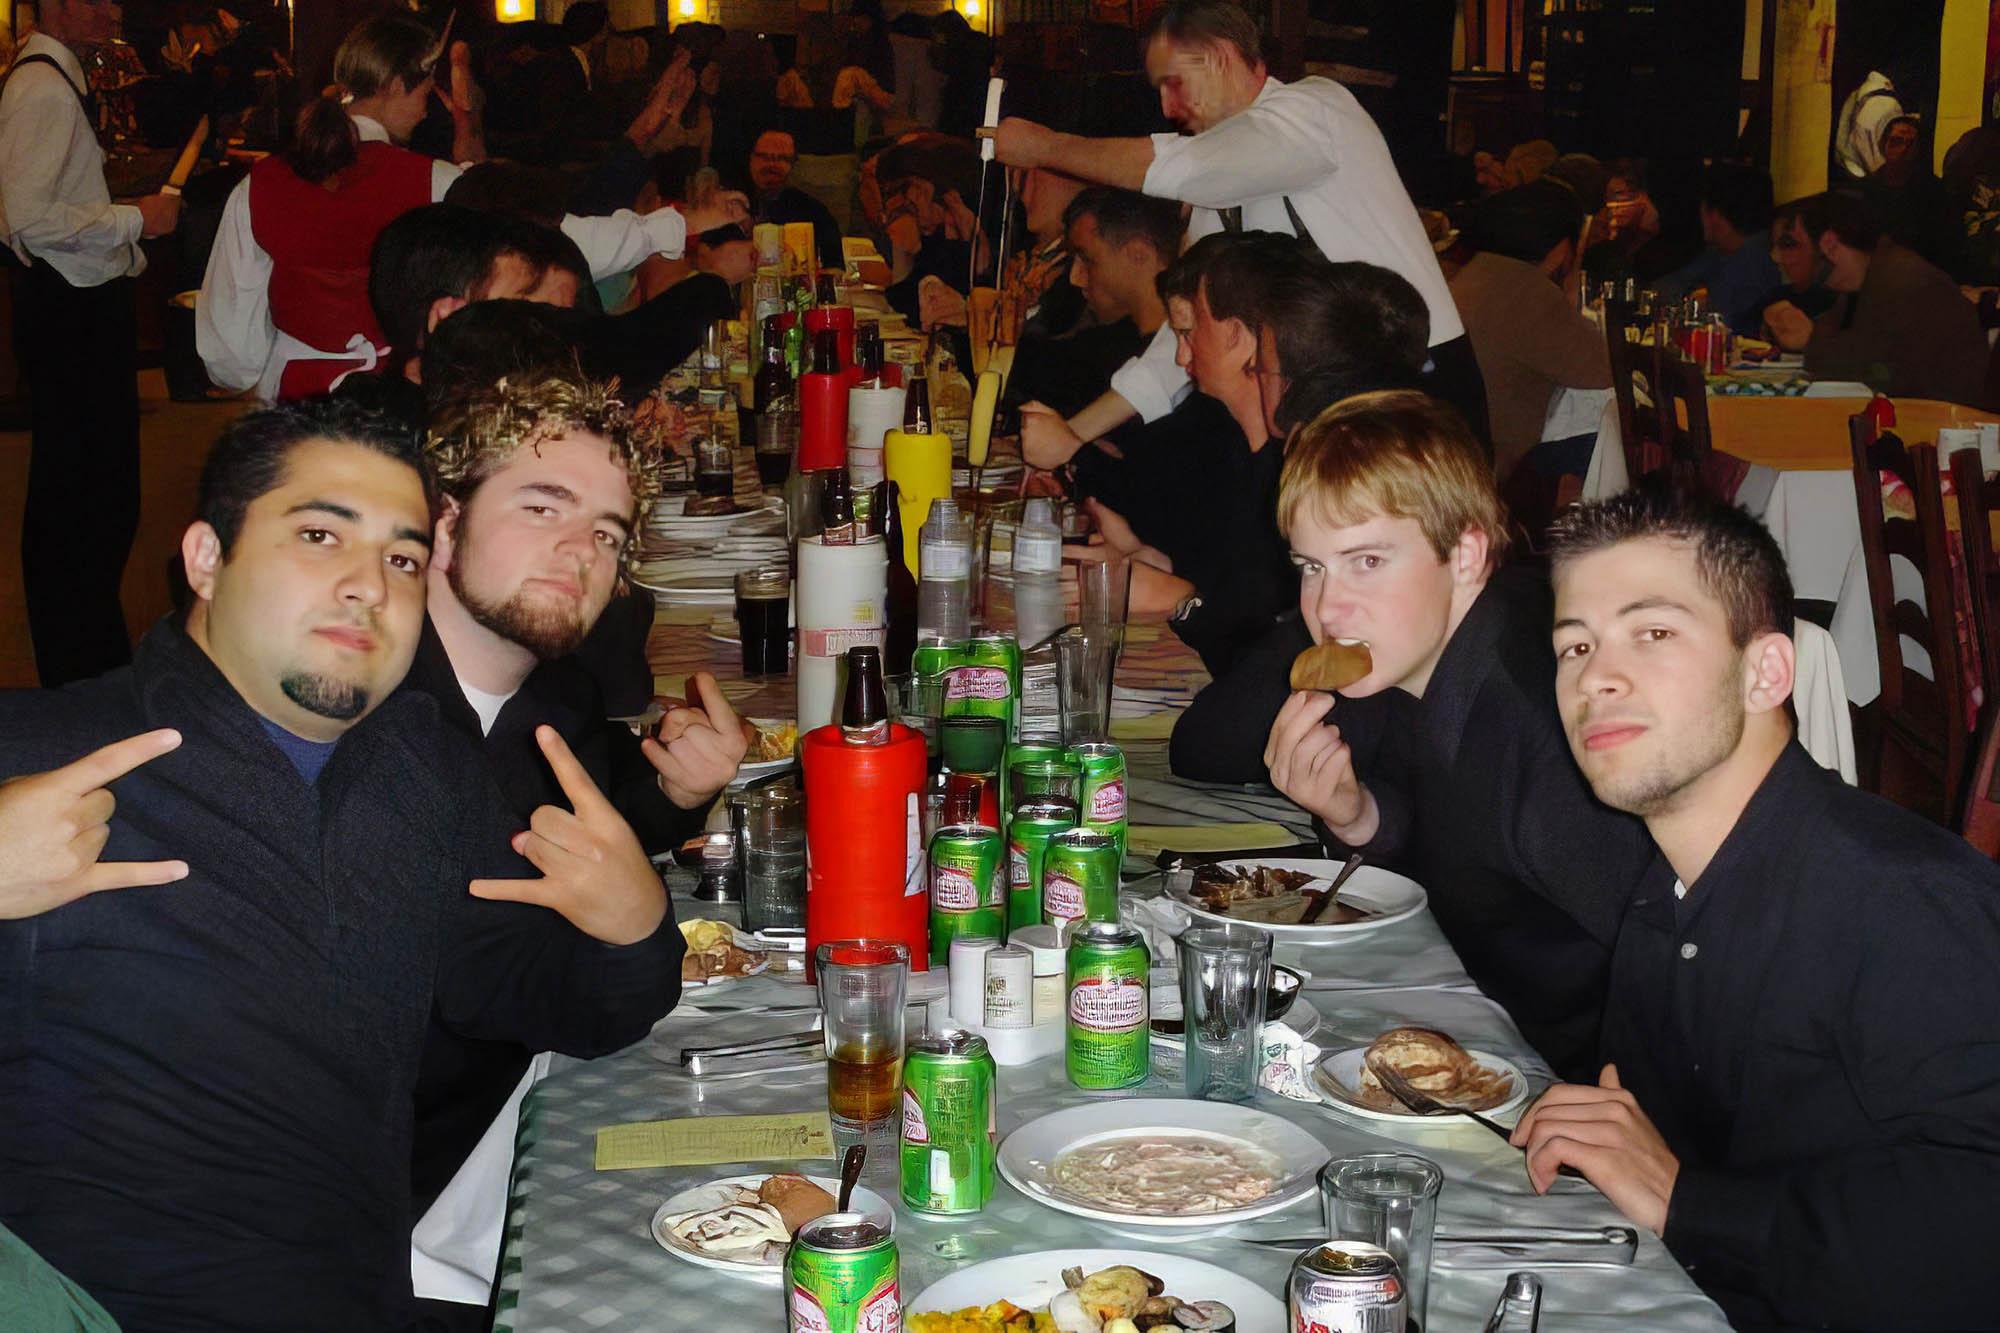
x=1079, y=877
x=947, y=1144
x=1101, y=803
x=1107, y=1042
x=1059, y=778
x=986, y=682
x=1018, y=754
x=1028, y=834
x=967, y=897
x=841, y=1275
x=935, y=658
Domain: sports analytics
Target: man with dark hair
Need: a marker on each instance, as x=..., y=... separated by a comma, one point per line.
x=1803, y=1013
x=207, y=1119
x=1301, y=159
x=1786, y=312
x=773, y=199
x=1898, y=324
x=1518, y=297
x=1735, y=266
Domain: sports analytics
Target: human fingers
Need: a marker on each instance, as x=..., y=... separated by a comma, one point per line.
x=558, y=864
x=92, y=810
x=104, y=766
x=1547, y=1157
x=533, y=891
x=1294, y=724
x=556, y=825
x=584, y=797
x=1554, y=1096
x=128, y=875
x=721, y=713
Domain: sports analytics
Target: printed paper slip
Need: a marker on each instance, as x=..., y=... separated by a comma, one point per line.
x=708, y=1140
x=1148, y=840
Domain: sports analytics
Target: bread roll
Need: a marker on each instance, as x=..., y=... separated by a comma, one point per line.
x=1332, y=665
x=797, y=1200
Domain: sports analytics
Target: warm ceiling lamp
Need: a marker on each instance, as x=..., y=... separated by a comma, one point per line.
x=513, y=11
x=687, y=9
x=972, y=9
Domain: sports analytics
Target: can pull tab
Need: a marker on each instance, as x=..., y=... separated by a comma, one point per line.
x=1519, y=1309
x=994, y=87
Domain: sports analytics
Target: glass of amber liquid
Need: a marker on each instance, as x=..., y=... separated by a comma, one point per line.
x=862, y=986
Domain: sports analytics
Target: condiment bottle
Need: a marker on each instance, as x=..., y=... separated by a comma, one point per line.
x=918, y=459
x=823, y=406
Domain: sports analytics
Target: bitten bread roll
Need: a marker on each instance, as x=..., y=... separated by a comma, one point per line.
x=797, y=1200
x=1332, y=665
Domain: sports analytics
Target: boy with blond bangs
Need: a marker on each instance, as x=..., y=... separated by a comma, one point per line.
x=1447, y=761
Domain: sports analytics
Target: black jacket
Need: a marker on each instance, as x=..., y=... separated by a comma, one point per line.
x=465, y=1079
x=1815, y=1030
x=1220, y=736
x=1483, y=804
x=205, y=1087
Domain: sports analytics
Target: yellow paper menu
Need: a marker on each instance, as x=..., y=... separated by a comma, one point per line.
x=1152, y=839
x=711, y=1139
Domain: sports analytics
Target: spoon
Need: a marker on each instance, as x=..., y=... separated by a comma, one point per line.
x=1333, y=891
x=850, y=1172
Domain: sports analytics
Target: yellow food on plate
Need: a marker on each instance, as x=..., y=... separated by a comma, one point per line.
x=999, y=1317
x=772, y=743
x=701, y=936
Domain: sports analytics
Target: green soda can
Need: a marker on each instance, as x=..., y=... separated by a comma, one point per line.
x=841, y=1272
x=1101, y=803
x=1107, y=1044
x=1058, y=779
x=965, y=884
x=935, y=658
x=1018, y=754
x=986, y=682
x=948, y=1154
x=1079, y=877
x=1028, y=834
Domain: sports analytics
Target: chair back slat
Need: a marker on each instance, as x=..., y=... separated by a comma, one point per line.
x=1975, y=536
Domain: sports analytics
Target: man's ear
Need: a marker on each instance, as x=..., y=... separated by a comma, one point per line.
x=443, y=548
x=1468, y=558
x=1770, y=662
x=201, y=557
x=442, y=309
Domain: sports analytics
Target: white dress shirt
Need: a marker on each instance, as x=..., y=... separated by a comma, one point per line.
x=52, y=188
x=1310, y=143
x=232, y=312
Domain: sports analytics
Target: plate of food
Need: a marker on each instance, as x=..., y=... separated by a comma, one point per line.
x=772, y=746
x=742, y=1224
x=1158, y=1162
x=1275, y=893
x=717, y=952
x=1435, y=1063
x=1081, y=1291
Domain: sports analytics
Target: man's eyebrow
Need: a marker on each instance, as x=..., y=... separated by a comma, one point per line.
x=1654, y=604
x=1364, y=547
x=554, y=490
x=324, y=507
x=1569, y=622
x=417, y=535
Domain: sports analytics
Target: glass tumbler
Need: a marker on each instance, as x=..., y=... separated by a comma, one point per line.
x=1391, y=1200
x=862, y=985
x=1225, y=975
x=774, y=858
x=1084, y=662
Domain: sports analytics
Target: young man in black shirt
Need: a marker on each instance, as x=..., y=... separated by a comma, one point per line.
x=1802, y=1094
x=205, y=1119
x=1447, y=759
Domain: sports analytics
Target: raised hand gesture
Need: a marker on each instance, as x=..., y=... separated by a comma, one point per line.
x=593, y=870
x=54, y=825
x=699, y=747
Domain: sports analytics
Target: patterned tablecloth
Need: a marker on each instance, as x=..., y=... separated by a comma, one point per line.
x=579, y=1256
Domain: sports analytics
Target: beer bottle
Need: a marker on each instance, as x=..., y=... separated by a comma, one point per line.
x=901, y=644
x=774, y=378
x=864, y=708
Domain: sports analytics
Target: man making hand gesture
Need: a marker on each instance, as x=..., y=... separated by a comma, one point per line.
x=54, y=825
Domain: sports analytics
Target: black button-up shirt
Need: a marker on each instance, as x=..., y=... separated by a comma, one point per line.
x=1815, y=1030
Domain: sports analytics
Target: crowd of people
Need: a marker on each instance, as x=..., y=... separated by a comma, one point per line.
x=295, y=902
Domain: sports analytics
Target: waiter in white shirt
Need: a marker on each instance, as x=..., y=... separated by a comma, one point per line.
x=1259, y=155
x=77, y=342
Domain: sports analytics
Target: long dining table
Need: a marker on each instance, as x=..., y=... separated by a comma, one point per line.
x=579, y=1255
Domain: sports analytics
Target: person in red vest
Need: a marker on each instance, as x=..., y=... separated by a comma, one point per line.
x=284, y=305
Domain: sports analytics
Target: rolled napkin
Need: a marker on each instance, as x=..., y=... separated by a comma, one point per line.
x=842, y=595
x=871, y=414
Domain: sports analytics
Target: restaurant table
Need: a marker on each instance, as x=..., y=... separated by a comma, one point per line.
x=579, y=1256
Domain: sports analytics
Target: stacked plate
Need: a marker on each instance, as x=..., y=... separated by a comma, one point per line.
x=693, y=561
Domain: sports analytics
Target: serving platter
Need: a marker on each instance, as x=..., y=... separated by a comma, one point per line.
x=1030, y=1280
x=1391, y=897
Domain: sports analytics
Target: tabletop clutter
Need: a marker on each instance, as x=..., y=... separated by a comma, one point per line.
x=953, y=835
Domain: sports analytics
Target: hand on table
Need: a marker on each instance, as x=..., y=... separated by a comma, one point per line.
x=698, y=749
x=1047, y=442
x=54, y=825
x=159, y=214
x=1601, y=1132
x=593, y=870
x=1312, y=765
x=1790, y=327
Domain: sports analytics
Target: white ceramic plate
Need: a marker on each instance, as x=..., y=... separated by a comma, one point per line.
x=1029, y=1280
x=1392, y=897
x=1338, y=1077
x=1027, y=1154
x=718, y=1192
x=747, y=771
x=667, y=515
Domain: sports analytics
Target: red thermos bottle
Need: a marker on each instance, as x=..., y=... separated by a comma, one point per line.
x=823, y=406
x=864, y=841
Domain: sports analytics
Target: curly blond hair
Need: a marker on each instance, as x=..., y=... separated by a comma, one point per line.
x=475, y=434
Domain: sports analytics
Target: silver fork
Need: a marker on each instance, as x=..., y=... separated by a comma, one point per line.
x=1424, y=1104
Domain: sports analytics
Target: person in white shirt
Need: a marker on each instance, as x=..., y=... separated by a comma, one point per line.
x=283, y=306
x=77, y=342
x=1257, y=154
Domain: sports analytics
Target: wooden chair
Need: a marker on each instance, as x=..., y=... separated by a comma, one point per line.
x=1914, y=744
x=1635, y=382
x=1979, y=822
x=1982, y=573
x=1684, y=421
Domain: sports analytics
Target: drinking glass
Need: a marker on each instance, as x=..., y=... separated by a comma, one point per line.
x=777, y=443
x=1225, y=974
x=763, y=619
x=1085, y=658
x=917, y=701
x=774, y=857
x=715, y=356
x=714, y=467
x=1391, y=1200
x=1103, y=591
x=862, y=984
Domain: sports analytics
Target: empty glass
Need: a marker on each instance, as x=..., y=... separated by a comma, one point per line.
x=1391, y=1200
x=917, y=701
x=1103, y=590
x=1085, y=659
x=774, y=857
x=862, y=985
x=1225, y=974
